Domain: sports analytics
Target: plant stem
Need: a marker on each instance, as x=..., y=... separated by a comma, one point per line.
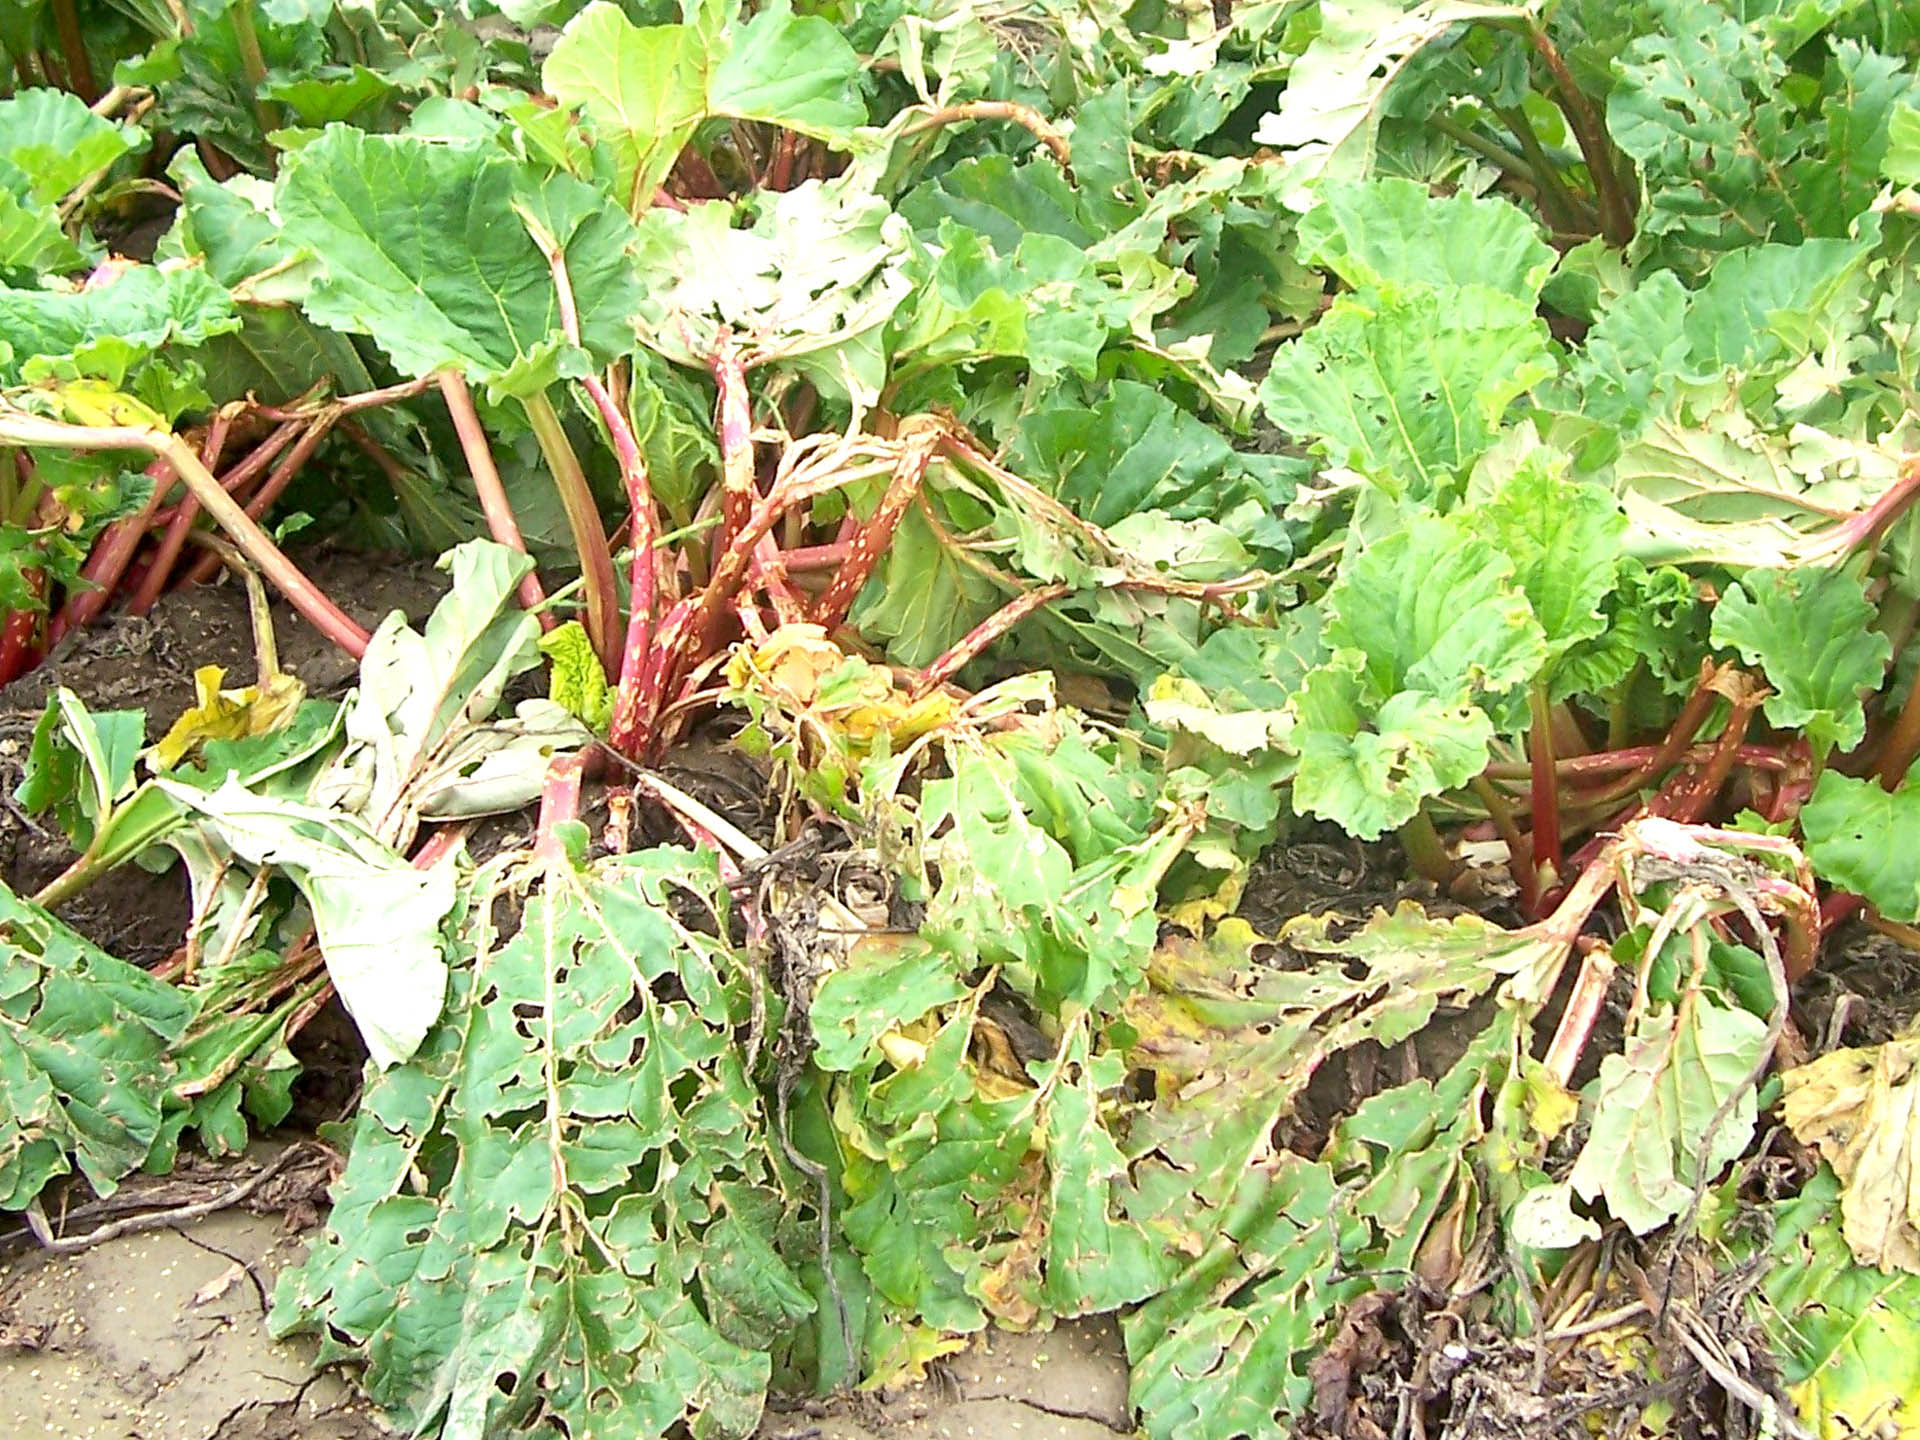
x=254, y=542
x=1022, y=115
x=73, y=47
x=1555, y=198
x=1902, y=744
x=734, y=421
x=559, y=805
x=877, y=534
x=583, y=518
x=487, y=484
x=1425, y=850
x=1547, y=857
x=271, y=488
x=627, y=726
x=1616, y=215
x=1583, y=1009
x=253, y=63
x=976, y=640
x=174, y=540
x=1492, y=152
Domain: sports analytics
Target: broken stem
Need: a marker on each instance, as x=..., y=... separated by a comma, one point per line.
x=976, y=640
x=856, y=566
x=1024, y=116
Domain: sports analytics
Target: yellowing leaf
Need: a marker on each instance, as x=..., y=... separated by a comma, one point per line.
x=96, y=403
x=578, y=680
x=227, y=714
x=824, y=693
x=1860, y=1109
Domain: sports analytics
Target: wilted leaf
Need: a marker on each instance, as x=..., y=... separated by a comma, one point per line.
x=596, y=1245
x=228, y=714
x=1861, y=1110
x=1655, y=1104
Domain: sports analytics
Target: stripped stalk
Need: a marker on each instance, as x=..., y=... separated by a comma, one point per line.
x=254, y=543
x=734, y=422
x=642, y=532
x=487, y=484
x=877, y=534
x=1583, y=1010
x=969, y=646
x=583, y=518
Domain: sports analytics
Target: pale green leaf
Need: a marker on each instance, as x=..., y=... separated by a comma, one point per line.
x=1856, y=836
x=1395, y=231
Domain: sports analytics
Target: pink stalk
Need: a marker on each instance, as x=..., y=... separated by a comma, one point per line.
x=487, y=484
x=18, y=634
x=970, y=645
x=877, y=534
x=1583, y=1010
x=636, y=708
x=270, y=489
x=643, y=528
x=254, y=542
x=108, y=561
x=559, y=805
x=174, y=539
x=735, y=424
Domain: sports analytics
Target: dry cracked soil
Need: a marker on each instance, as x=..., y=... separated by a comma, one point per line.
x=162, y=1336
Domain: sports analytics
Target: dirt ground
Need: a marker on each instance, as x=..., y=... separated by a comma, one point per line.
x=162, y=1336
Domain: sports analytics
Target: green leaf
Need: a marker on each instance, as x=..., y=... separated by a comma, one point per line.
x=883, y=985
x=83, y=1064
x=1849, y=827
x=108, y=329
x=1811, y=632
x=1368, y=770
x=1329, y=113
x=391, y=221
x=1396, y=232
x=595, y=1245
x=1433, y=607
x=80, y=765
x=1565, y=541
x=56, y=141
x=1654, y=1106
x=1408, y=384
x=644, y=90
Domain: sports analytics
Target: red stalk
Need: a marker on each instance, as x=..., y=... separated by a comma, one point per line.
x=255, y=543
x=270, y=490
x=877, y=534
x=18, y=636
x=984, y=634
x=107, y=563
x=636, y=708
x=559, y=805
x=174, y=538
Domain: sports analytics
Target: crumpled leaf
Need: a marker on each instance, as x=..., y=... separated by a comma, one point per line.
x=228, y=714
x=1367, y=768
x=1408, y=383
x=1860, y=1108
x=577, y=681
x=106, y=328
x=1845, y=1333
x=378, y=918
x=57, y=141
x=812, y=281
x=423, y=694
x=596, y=1247
x=1655, y=1102
x=1811, y=632
x=1394, y=231
x=83, y=1055
x=1848, y=826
